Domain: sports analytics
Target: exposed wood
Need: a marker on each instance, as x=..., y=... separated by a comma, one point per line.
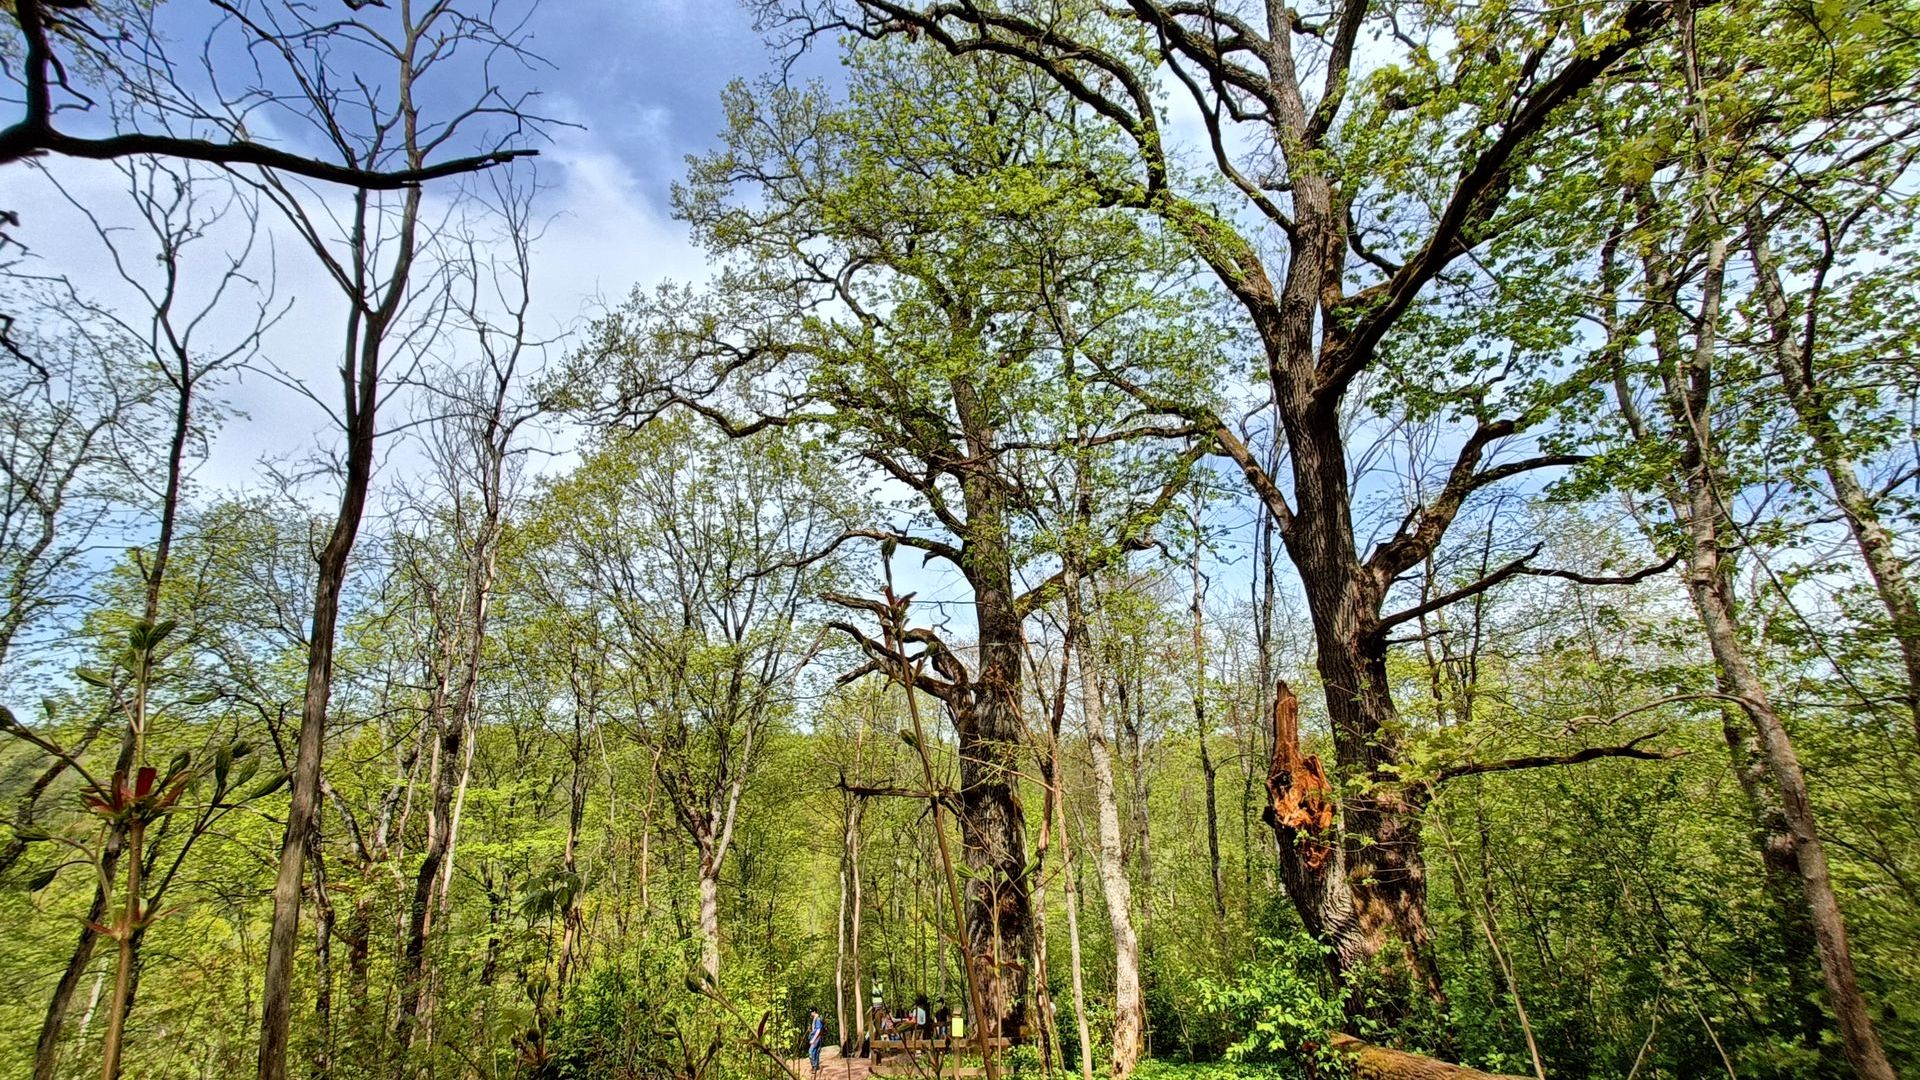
x=1371, y=1062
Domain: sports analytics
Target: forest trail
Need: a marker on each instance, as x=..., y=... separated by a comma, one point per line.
x=833, y=1066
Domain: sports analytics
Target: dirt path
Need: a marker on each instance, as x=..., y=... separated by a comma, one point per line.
x=833, y=1066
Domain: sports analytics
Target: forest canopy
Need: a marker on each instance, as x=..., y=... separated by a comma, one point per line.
x=1167, y=539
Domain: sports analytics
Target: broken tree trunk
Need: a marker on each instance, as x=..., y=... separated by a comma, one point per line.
x=1370, y=1062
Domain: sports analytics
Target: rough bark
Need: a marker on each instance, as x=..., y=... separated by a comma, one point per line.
x=1335, y=884
x=991, y=731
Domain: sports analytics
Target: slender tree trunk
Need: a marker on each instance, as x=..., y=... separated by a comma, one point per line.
x=1870, y=534
x=459, y=809
x=183, y=378
x=1208, y=770
x=1773, y=838
x=1140, y=798
x=46, y=1055
x=123, y=972
x=1048, y=764
x=1073, y=943
x=413, y=963
x=859, y=908
x=1859, y=1040
x=366, y=333
x=1129, y=1018
x=710, y=916
x=323, y=959
x=571, y=919
x=840, y=951
x=1689, y=382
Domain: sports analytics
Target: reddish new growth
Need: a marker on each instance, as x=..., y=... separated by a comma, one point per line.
x=1297, y=787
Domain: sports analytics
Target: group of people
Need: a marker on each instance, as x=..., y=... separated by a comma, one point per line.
x=916, y=1021
x=886, y=1023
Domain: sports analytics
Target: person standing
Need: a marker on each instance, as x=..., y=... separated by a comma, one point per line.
x=816, y=1032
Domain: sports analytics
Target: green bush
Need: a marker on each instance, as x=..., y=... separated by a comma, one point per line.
x=1282, y=1006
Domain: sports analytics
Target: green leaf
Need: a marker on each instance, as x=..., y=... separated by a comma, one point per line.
x=273, y=783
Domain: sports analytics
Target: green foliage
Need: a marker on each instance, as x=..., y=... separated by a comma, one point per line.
x=630, y=1016
x=1282, y=1005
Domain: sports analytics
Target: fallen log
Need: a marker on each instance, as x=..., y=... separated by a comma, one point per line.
x=1372, y=1062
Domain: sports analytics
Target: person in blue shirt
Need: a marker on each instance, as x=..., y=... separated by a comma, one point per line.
x=816, y=1032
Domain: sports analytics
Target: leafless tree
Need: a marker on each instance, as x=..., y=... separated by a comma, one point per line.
x=360, y=81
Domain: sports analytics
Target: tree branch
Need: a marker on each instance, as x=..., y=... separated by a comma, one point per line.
x=1629, y=749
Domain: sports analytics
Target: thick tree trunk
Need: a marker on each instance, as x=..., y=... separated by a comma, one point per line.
x=1373, y=924
x=1369, y=1062
x=991, y=734
x=992, y=823
x=1129, y=1012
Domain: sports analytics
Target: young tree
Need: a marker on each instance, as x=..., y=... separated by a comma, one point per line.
x=395, y=309
x=479, y=413
x=177, y=330
x=1684, y=212
x=698, y=549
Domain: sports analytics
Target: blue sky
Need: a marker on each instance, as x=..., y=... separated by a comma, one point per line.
x=638, y=86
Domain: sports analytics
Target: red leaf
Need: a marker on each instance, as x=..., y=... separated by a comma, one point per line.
x=144, y=785
x=173, y=792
